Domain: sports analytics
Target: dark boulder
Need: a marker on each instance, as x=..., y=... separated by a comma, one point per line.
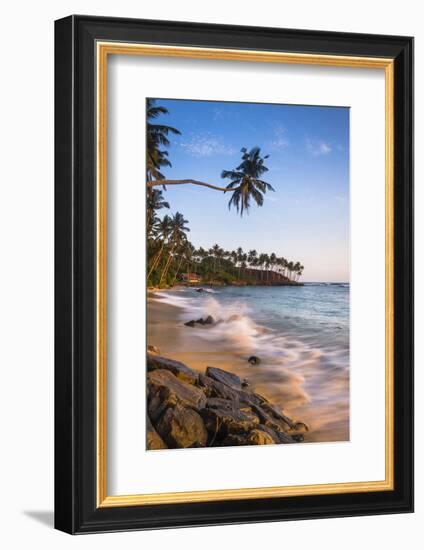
x=209, y=320
x=272, y=411
x=153, y=439
x=189, y=409
x=234, y=440
x=219, y=403
x=225, y=377
x=165, y=389
x=301, y=427
x=226, y=419
x=267, y=420
x=253, y=360
x=181, y=371
x=213, y=388
x=260, y=437
x=182, y=427
x=277, y=436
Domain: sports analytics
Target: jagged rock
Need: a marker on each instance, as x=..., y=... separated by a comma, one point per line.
x=277, y=436
x=234, y=440
x=254, y=360
x=219, y=403
x=225, y=377
x=227, y=419
x=153, y=349
x=209, y=320
x=272, y=411
x=301, y=427
x=260, y=437
x=165, y=390
x=153, y=439
x=266, y=420
x=182, y=427
x=190, y=409
x=180, y=370
x=213, y=388
x=297, y=431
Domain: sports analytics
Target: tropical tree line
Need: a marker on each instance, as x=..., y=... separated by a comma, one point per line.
x=169, y=251
x=171, y=254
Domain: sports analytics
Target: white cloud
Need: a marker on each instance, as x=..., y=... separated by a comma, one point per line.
x=218, y=113
x=206, y=145
x=280, y=140
x=318, y=147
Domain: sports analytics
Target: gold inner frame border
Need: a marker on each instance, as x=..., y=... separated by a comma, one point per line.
x=103, y=50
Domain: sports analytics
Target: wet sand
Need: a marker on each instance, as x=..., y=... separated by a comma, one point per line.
x=166, y=330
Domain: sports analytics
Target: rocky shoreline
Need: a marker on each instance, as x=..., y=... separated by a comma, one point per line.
x=189, y=409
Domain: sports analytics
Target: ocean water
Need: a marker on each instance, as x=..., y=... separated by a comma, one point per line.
x=300, y=334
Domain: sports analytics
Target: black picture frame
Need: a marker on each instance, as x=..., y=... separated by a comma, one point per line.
x=76, y=510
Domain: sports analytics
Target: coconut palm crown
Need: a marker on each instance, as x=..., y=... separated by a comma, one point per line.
x=157, y=136
x=246, y=182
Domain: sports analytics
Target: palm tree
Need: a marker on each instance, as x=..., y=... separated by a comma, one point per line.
x=245, y=180
x=261, y=261
x=157, y=136
x=201, y=254
x=215, y=252
x=299, y=269
x=234, y=259
x=186, y=253
x=290, y=267
x=163, y=229
x=272, y=261
x=266, y=261
x=251, y=258
x=155, y=201
x=239, y=258
x=177, y=238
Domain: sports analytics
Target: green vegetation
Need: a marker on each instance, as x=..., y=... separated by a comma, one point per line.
x=170, y=253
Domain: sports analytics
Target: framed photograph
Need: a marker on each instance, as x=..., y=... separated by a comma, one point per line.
x=233, y=274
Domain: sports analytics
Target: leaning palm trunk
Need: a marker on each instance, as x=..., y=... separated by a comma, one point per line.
x=167, y=264
x=178, y=269
x=156, y=260
x=165, y=269
x=149, y=218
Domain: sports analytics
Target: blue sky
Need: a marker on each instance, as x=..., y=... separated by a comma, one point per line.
x=306, y=219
